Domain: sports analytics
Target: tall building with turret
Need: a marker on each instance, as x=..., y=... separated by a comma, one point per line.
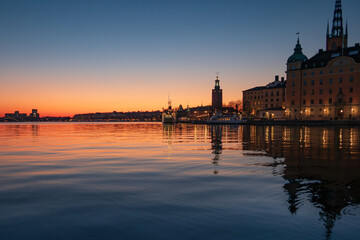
x=327, y=85
x=337, y=38
x=217, y=98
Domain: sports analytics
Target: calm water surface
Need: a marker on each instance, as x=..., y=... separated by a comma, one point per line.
x=149, y=181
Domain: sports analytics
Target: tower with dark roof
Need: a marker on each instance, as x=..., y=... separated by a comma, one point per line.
x=337, y=39
x=295, y=61
x=217, y=95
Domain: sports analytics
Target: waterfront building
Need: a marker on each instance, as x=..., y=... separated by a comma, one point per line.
x=265, y=101
x=217, y=99
x=34, y=114
x=327, y=85
x=16, y=115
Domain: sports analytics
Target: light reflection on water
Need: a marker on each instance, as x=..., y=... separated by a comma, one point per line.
x=142, y=181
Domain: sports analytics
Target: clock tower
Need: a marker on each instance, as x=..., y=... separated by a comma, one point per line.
x=217, y=95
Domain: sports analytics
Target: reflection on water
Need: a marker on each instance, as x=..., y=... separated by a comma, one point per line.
x=320, y=165
x=132, y=181
x=216, y=146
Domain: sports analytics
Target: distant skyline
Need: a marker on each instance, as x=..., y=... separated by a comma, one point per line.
x=73, y=56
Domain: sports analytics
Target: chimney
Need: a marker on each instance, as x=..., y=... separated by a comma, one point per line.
x=276, y=78
x=282, y=79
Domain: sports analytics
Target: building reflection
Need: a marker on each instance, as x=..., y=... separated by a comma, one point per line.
x=321, y=165
x=216, y=146
x=35, y=130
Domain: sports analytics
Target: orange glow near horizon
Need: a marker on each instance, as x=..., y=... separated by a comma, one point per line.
x=67, y=95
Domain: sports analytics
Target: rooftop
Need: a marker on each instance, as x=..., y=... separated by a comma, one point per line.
x=322, y=58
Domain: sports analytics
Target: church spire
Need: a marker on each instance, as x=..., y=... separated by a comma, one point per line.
x=337, y=27
x=336, y=39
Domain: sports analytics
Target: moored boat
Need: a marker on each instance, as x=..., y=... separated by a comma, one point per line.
x=219, y=118
x=169, y=115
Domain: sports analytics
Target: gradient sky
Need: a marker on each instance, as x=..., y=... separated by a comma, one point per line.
x=73, y=56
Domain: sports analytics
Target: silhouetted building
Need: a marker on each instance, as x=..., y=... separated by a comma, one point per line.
x=34, y=114
x=217, y=95
x=16, y=116
x=265, y=98
x=326, y=86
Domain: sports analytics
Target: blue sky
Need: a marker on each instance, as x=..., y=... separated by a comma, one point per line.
x=163, y=46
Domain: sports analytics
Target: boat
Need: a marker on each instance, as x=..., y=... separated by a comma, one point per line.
x=219, y=118
x=169, y=115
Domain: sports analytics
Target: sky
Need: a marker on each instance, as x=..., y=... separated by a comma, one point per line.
x=80, y=56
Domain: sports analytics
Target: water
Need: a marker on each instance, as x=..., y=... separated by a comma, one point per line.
x=146, y=181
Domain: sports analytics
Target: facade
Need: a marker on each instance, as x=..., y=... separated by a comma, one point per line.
x=217, y=98
x=272, y=113
x=326, y=86
x=264, y=97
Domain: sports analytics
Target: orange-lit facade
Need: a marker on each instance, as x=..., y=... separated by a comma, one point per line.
x=326, y=86
x=265, y=98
